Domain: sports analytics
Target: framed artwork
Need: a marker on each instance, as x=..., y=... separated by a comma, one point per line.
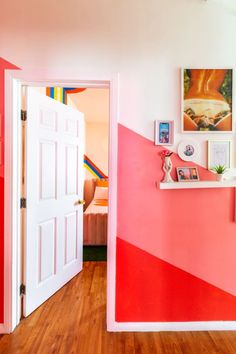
x=207, y=100
x=187, y=174
x=188, y=150
x=219, y=153
x=164, y=132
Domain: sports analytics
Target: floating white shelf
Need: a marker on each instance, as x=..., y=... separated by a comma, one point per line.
x=199, y=184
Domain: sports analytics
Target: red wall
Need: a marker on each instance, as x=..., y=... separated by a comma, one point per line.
x=3, y=66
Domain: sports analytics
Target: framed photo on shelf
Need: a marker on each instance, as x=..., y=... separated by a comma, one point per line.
x=219, y=153
x=207, y=100
x=164, y=132
x=187, y=174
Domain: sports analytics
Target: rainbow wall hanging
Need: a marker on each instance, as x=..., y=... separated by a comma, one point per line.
x=60, y=93
x=93, y=169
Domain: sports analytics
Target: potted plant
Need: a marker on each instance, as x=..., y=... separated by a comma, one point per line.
x=220, y=170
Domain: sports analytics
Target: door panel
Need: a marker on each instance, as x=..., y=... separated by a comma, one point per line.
x=54, y=183
x=47, y=247
x=70, y=237
x=71, y=169
x=47, y=169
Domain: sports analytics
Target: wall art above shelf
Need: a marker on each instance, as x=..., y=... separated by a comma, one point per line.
x=199, y=184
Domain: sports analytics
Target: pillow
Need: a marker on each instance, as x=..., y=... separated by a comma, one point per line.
x=102, y=182
x=101, y=202
x=101, y=193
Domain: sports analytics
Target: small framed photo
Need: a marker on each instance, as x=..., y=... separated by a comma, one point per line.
x=187, y=174
x=164, y=132
x=219, y=153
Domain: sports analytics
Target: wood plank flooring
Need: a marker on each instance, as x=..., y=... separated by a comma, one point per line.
x=73, y=321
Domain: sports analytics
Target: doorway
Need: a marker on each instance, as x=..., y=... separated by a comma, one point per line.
x=94, y=103
x=12, y=246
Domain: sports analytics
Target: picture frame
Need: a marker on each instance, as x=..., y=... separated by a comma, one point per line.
x=219, y=153
x=164, y=132
x=188, y=150
x=187, y=174
x=207, y=100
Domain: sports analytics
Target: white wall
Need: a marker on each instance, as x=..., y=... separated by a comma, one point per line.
x=147, y=41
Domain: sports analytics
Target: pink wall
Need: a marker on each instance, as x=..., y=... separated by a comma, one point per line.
x=170, y=235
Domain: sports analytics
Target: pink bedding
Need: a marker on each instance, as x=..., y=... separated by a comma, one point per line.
x=95, y=224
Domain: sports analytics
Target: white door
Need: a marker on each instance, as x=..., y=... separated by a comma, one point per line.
x=53, y=186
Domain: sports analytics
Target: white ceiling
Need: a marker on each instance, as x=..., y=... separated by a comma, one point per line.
x=93, y=102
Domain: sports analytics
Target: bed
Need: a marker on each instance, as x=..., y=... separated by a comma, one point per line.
x=95, y=213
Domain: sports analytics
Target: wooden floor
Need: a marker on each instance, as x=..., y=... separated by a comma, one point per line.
x=73, y=322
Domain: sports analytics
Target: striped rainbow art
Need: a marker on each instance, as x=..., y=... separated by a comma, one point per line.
x=93, y=169
x=60, y=93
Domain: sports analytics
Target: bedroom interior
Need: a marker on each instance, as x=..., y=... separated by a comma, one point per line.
x=174, y=240
x=94, y=103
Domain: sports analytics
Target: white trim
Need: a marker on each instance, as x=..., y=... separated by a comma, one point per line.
x=112, y=219
x=173, y=326
x=13, y=82
x=227, y=183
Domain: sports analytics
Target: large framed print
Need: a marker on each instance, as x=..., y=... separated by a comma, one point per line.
x=219, y=153
x=164, y=132
x=207, y=100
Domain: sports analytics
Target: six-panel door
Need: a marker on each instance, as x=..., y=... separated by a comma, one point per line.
x=54, y=183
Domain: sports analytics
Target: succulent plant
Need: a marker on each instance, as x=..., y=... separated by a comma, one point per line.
x=219, y=169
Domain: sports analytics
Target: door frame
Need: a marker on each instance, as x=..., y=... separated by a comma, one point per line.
x=14, y=80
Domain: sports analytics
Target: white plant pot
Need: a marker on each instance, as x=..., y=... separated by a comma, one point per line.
x=219, y=177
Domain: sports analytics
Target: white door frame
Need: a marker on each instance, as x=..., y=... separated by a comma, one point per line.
x=12, y=233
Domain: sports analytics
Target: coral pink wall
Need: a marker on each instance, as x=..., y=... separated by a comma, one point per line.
x=170, y=235
x=3, y=66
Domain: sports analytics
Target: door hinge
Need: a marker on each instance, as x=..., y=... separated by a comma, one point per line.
x=22, y=203
x=23, y=115
x=22, y=289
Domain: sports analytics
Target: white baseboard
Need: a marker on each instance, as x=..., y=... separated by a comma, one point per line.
x=171, y=326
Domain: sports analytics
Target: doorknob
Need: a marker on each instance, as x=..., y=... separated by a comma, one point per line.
x=80, y=201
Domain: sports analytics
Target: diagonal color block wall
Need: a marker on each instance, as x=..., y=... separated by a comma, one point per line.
x=187, y=235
